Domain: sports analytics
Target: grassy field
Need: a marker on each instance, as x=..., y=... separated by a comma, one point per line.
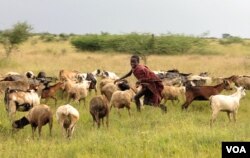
x=146, y=134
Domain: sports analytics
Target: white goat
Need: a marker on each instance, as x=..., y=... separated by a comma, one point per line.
x=227, y=103
x=67, y=116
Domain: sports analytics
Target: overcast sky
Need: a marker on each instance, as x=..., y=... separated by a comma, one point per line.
x=190, y=17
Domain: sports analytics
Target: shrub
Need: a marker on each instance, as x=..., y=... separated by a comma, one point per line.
x=230, y=40
x=11, y=38
x=143, y=44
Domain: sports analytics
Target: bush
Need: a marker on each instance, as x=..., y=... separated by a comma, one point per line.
x=230, y=40
x=137, y=43
x=87, y=43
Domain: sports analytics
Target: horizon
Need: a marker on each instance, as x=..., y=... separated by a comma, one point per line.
x=189, y=17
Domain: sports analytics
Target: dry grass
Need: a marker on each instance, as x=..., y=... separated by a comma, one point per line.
x=148, y=134
x=54, y=56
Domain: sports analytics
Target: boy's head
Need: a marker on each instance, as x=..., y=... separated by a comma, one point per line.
x=134, y=60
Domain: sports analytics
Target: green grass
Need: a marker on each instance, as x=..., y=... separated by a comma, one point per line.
x=147, y=134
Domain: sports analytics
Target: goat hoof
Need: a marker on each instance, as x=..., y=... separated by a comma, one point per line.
x=163, y=108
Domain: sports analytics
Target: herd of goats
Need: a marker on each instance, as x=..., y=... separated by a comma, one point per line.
x=23, y=92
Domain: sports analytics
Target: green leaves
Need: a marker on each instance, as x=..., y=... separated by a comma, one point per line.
x=143, y=44
x=11, y=38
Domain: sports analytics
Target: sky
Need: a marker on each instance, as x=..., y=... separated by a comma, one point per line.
x=189, y=17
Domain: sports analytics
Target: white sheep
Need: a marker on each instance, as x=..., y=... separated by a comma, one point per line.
x=121, y=99
x=110, y=75
x=207, y=80
x=227, y=103
x=18, y=100
x=67, y=116
x=38, y=116
x=79, y=91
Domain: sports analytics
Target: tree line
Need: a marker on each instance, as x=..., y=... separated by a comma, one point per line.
x=142, y=44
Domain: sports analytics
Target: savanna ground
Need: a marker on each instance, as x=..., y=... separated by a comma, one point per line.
x=147, y=134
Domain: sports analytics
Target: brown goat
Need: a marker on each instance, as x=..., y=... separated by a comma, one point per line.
x=98, y=108
x=203, y=92
x=50, y=91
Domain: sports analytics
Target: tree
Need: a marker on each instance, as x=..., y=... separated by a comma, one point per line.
x=11, y=38
x=148, y=47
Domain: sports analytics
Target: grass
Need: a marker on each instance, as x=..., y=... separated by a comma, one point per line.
x=146, y=134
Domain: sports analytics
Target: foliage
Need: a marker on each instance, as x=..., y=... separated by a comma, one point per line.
x=88, y=42
x=230, y=40
x=47, y=37
x=11, y=38
x=146, y=134
x=134, y=43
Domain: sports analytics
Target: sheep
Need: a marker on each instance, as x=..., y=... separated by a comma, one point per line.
x=98, y=108
x=41, y=74
x=11, y=73
x=108, y=90
x=105, y=81
x=18, y=100
x=121, y=99
x=38, y=116
x=161, y=74
x=96, y=72
x=15, y=78
x=110, y=75
x=172, y=93
x=200, y=80
x=243, y=81
x=170, y=82
x=30, y=74
x=21, y=85
x=67, y=116
x=65, y=75
x=107, y=87
x=227, y=103
x=88, y=77
x=79, y=91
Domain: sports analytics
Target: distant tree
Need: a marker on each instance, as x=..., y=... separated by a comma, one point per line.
x=148, y=49
x=226, y=35
x=11, y=38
